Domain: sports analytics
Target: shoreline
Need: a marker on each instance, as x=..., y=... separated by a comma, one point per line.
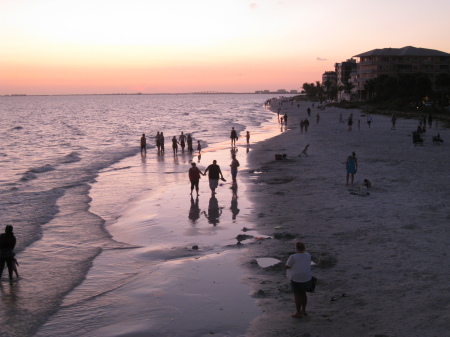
x=386, y=251
x=169, y=287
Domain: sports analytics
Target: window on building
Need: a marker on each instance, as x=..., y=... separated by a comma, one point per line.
x=385, y=59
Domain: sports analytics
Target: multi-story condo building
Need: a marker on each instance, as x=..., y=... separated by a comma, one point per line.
x=343, y=73
x=397, y=61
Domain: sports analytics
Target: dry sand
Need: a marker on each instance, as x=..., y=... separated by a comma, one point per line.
x=387, y=251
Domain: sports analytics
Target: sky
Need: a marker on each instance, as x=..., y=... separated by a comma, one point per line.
x=53, y=47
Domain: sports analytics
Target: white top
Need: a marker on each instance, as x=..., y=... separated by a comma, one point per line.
x=300, y=267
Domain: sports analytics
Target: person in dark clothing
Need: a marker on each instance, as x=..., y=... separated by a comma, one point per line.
x=194, y=177
x=214, y=175
x=7, y=244
x=143, y=144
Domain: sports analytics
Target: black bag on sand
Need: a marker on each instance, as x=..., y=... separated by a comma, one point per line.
x=313, y=285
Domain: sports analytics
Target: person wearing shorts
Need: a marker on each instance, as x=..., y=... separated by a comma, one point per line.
x=214, y=174
x=194, y=177
x=299, y=270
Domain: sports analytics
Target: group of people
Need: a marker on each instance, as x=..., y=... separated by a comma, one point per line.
x=214, y=175
x=184, y=140
x=181, y=140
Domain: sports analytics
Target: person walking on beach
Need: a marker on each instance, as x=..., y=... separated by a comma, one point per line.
x=234, y=167
x=306, y=125
x=189, y=143
x=182, y=141
x=199, y=147
x=143, y=144
x=393, y=121
x=369, y=120
x=233, y=137
x=352, y=167
x=308, y=111
x=214, y=174
x=7, y=245
x=194, y=177
x=247, y=136
x=285, y=119
x=158, y=141
x=174, y=145
x=161, y=140
x=350, y=122
x=298, y=266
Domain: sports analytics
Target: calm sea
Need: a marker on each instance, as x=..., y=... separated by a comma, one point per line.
x=53, y=149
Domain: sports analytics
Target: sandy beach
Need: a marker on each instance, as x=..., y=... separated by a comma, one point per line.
x=381, y=259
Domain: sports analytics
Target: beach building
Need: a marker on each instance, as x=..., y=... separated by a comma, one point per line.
x=395, y=62
x=329, y=83
x=344, y=70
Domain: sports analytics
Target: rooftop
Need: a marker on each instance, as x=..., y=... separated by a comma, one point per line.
x=405, y=51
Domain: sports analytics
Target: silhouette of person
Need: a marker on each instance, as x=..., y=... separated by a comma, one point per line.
x=158, y=141
x=214, y=175
x=352, y=166
x=7, y=245
x=189, y=143
x=182, y=141
x=161, y=139
x=194, y=177
x=143, y=144
x=233, y=137
x=174, y=145
x=234, y=167
x=247, y=136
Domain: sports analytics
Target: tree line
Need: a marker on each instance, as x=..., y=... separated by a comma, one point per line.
x=404, y=88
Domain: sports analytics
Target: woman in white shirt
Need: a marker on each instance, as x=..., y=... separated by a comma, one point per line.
x=299, y=272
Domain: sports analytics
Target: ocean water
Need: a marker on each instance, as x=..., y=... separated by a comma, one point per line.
x=64, y=190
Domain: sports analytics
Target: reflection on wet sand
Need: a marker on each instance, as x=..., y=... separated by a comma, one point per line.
x=234, y=201
x=194, y=211
x=214, y=211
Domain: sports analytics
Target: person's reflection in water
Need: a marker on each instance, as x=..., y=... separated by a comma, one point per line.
x=194, y=211
x=234, y=202
x=214, y=211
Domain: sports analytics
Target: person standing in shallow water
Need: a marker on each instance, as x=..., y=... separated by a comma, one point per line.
x=174, y=145
x=7, y=245
x=299, y=272
x=143, y=144
x=233, y=137
x=234, y=167
x=214, y=175
x=194, y=177
x=352, y=167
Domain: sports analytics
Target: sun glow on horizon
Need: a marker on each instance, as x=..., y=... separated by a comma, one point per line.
x=51, y=46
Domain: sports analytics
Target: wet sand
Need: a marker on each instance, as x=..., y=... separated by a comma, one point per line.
x=387, y=252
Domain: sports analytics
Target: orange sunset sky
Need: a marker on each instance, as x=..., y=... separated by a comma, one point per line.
x=111, y=46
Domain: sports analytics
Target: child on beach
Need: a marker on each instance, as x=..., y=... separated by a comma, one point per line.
x=199, y=147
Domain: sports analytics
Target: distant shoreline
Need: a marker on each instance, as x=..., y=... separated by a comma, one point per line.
x=153, y=94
